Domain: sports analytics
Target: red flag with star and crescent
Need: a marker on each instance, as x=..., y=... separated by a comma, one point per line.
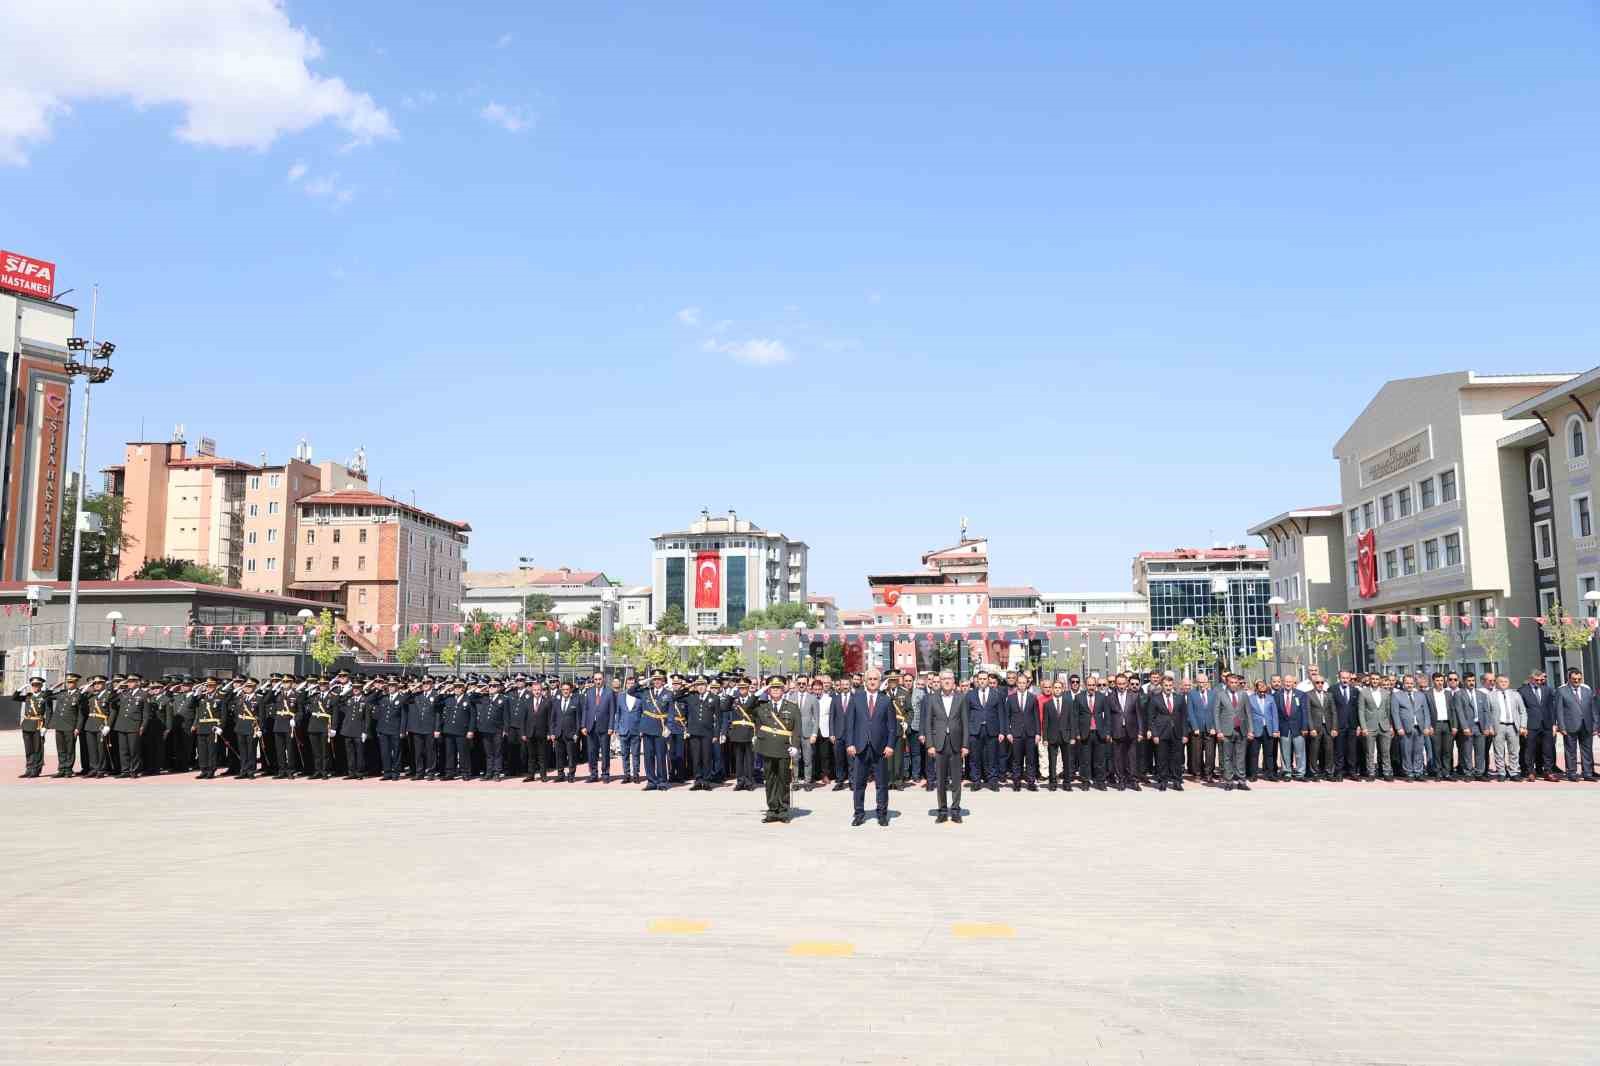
x=1367, y=565
x=708, y=581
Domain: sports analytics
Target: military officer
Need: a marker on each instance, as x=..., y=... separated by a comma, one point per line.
x=456, y=718
x=422, y=724
x=249, y=711
x=355, y=721
x=280, y=714
x=99, y=707
x=702, y=715
x=777, y=720
x=179, y=718
x=128, y=723
x=210, y=707
x=65, y=715
x=655, y=711
x=35, y=712
x=323, y=704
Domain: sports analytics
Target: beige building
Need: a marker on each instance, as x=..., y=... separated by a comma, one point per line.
x=34, y=450
x=1306, y=565
x=1422, y=468
x=390, y=564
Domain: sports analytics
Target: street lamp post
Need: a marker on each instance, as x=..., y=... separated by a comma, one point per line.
x=113, y=617
x=1187, y=625
x=305, y=616
x=544, y=642
x=94, y=372
x=1276, y=603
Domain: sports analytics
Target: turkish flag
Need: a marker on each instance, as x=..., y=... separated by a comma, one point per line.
x=1516, y=622
x=708, y=581
x=1367, y=565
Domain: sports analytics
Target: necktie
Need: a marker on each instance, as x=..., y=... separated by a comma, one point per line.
x=1169, y=704
x=871, y=702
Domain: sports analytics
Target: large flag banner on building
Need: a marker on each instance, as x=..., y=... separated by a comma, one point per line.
x=1367, y=564
x=708, y=581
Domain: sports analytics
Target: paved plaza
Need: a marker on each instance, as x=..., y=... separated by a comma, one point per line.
x=172, y=920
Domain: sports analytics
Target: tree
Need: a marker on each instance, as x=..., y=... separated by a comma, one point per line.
x=1437, y=643
x=1495, y=642
x=1384, y=651
x=778, y=616
x=728, y=661
x=1565, y=633
x=1322, y=633
x=1141, y=657
x=626, y=649
x=409, y=651
x=766, y=663
x=833, y=658
x=538, y=605
x=572, y=654
x=325, y=645
x=672, y=623
x=1249, y=662
x=98, y=561
x=504, y=646
x=1198, y=644
x=171, y=569
x=449, y=654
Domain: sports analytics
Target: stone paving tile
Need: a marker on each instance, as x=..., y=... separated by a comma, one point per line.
x=170, y=920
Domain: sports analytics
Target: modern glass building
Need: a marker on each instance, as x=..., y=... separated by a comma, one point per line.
x=1230, y=583
x=722, y=568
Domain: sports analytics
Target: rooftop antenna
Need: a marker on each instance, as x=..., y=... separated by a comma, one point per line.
x=963, y=527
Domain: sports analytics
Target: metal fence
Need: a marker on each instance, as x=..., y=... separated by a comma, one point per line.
x=21, y=634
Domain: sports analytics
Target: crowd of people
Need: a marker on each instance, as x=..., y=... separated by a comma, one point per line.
x=1125, y=731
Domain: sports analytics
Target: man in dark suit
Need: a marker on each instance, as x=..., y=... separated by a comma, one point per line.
x=870, y=734
x=1061, y=730
x=598, y=710
x=566, y=725
x=1575, y=720
x=1162, y=714
x=1322, y=723
x=1125, y=729
x=1348, y=749
x=1094, y=737
x=536, y=732
x=1022, y=727
x=1539, y=746
x=986, y=722
x=944, y=720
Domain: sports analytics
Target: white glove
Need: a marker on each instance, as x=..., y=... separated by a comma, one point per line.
x=216, y=730
x=793, y=752
x=363, y=738
x=105, y=730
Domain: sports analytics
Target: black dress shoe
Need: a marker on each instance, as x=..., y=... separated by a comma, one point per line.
x=1242, y=787
x=1161, y=786
x=1051, y=786
x=1227, y=786
x=769, y=817
x=943, y=817
x=838, y=786
x=1177, y=786
x=857, y=819
x=955, y=816
x=883, y=820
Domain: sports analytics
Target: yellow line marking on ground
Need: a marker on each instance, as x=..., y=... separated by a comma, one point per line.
x=823, y=948
x=982, y=931
x=682, y=926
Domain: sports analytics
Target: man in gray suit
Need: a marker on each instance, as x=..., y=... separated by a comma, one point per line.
x=1375, y=729
x=809, y=721
x=1233, y=733
x=1411, y=720
x=944, y=724
x=1575, y=721
x=1508, y=717
x=1468, y=714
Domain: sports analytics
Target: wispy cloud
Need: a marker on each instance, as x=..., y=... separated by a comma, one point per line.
x=297, y=172
x=504, y=41
x=689, y=316
x=757, y=351
x=420, y=98
x=510, y=119
x=325, y=187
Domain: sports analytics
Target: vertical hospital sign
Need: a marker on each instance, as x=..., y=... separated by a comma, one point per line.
x=47, y=499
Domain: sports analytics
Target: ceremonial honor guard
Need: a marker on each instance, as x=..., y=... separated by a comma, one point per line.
x=739, y=726
x=777, y=730
x=99, y=708
x=654, y=729
x=179, y=719
x=35, y=713
x=66, y=717
x=320, y=726
x=210, y=709
x=285, y=715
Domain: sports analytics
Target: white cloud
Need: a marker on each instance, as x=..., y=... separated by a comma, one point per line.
x=689, y=316
x=328, y=187
x=237, y=69
x=504, y=41
x=297, y=172
x=510, y=119
x=757, y=351
x=420, y=98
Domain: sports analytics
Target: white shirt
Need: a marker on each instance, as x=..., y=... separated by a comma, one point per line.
x=1506, y=717
x=1441, y=705
x=824, y=705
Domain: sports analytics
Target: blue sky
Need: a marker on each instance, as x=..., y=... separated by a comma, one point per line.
x=1100, y=279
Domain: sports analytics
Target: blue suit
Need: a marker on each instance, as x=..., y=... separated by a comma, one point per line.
x=870, y=733
x=626, y=722
x=598, y=707
x=986, y=721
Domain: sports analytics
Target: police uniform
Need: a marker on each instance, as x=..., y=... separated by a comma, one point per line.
x=390, y=721
x=35, y=712
x=702, y=719
x=455, y=723
x=422, y=722
x=355, y=717
x=777, y=733
x=489, y=723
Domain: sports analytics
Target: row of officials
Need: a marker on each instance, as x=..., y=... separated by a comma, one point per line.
x=1123, y=731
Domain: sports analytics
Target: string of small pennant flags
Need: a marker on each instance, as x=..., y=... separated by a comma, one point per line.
x=1443, y=621
x=433, y=629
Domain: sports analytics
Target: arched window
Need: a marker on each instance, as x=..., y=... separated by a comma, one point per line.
x=1576, y=445
x=1538, y=475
